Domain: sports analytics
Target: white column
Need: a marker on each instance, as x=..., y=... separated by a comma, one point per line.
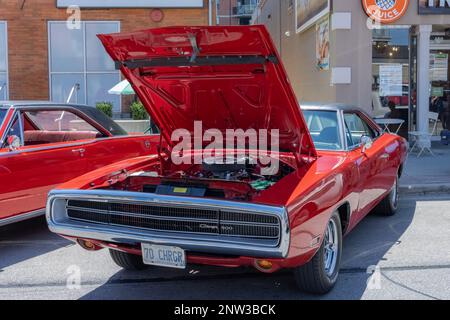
x=423, y=81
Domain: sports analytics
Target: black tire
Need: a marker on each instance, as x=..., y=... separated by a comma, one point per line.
x=388, y=206
x=127, y=261
x=313, y=277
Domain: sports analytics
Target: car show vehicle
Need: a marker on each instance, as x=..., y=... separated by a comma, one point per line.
x=43, y=144
x=335, y=165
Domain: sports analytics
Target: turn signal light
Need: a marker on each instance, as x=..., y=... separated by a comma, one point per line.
x=264, y=264
x=88, y=245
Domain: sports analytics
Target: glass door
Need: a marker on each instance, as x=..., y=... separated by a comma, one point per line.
x=391, y=76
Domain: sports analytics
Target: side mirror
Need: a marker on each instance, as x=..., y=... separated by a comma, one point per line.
x=366, y=143
x=13, y=143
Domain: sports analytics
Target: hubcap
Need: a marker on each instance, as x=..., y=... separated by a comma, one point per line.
x=331, y=248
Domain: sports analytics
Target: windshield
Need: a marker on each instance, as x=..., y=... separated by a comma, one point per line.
x=2, y=115
x=324, y=129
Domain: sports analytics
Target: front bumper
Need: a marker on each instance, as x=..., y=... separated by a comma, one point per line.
x=60, y=223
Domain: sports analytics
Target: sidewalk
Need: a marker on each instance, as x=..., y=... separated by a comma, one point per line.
x=427, y=174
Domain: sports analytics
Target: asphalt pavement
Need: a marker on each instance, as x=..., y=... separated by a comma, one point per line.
x=402, y=257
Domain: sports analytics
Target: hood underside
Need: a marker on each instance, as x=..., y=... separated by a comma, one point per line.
x=225, y=77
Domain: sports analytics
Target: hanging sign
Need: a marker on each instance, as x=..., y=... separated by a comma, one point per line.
x=385, y=11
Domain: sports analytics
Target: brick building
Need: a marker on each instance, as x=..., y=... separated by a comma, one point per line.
x=41, y=58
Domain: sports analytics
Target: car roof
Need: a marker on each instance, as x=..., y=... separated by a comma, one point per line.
x=328, y=106
x=106, y=122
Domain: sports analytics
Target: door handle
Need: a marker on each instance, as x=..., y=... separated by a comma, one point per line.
x=385, y=156
x=80, y=151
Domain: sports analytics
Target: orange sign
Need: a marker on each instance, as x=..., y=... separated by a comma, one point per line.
x=385, y=11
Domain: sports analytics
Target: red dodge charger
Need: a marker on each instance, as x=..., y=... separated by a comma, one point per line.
x=288, y=205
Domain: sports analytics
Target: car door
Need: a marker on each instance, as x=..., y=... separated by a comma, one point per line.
x=30, y=171
x=369, y=162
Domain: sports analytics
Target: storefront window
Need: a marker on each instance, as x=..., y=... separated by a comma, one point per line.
x=391, y=76
x=78, y=57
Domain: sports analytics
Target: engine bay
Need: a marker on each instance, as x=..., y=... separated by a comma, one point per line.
x=238, y=178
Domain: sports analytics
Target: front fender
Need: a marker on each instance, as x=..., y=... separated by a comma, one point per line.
x=310, y=212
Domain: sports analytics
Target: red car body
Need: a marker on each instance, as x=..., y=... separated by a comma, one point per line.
x=30, y=170
x=226, y=77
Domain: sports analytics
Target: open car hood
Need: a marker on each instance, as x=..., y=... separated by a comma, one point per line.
x=227, y=77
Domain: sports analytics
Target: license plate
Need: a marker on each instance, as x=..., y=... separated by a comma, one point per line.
x=163, y=256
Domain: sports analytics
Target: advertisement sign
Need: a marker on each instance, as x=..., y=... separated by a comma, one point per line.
x=308, y=12
x=130, y=3
x=439, y=67
x=385, y=11
x=434, y=7
x=391, y=80
x=323, y=44
x=437, y=92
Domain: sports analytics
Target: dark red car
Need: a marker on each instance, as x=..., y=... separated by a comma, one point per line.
x=44, y=144
x=334, y=164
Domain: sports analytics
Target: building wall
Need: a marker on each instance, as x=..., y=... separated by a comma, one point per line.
x=271, y=14
x=28, y=37
x=348, y=48
x=353, y=48
x=297, y=52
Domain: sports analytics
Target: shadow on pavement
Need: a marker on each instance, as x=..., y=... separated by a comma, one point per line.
x=367, y=245
x=27, y=239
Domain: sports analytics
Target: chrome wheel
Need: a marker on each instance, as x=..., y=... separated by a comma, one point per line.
x=331, y=246
x=394, y=194
x=320, y=274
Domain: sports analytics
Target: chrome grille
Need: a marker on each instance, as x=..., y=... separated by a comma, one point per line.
x=159, y=217
x=247, y=217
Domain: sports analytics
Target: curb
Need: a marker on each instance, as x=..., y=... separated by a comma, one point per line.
x=425, y=188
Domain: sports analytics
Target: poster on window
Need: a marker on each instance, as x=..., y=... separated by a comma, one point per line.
x=439, y=67
x=323, y=45
x=391, y=80
x=308, y=12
